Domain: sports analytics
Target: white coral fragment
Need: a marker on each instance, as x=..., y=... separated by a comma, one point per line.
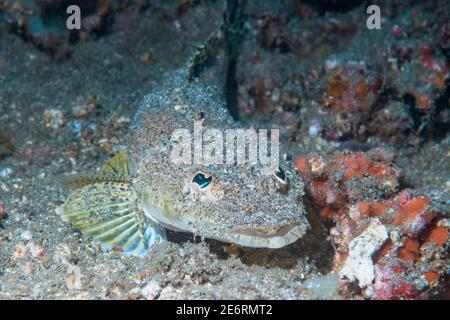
x=359, y=264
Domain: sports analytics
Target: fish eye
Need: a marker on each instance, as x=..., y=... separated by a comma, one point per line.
x=280, y=175
x=201, y=180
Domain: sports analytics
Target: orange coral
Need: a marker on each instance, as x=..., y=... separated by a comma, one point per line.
x=364, y=208
x=439, y=235
x=411, y=210
x=431, y=276
x=301, y=163
x=378, y=208
x=318, y=191
x=351, y=89
x=355, y=166
x=410, y=251
x=377, y=169
x=373, y=209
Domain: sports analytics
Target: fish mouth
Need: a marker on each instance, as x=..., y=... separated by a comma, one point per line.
x=273, y=238
x=252, y=237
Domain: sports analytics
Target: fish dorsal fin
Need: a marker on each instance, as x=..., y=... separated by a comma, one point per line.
x=116, y=169
x=75, y=181
x=117, y=164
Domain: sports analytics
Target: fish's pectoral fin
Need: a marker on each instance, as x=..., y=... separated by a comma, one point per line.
x=108, y=212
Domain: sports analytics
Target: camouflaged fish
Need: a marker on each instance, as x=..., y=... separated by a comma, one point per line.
x=141, y=192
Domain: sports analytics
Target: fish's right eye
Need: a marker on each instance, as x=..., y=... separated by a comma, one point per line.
x=280, y=175
x=201, y=180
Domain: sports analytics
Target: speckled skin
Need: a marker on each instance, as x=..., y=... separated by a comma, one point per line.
x=241, y=205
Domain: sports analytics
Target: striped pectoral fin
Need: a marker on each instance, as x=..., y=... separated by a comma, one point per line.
x=108, y=212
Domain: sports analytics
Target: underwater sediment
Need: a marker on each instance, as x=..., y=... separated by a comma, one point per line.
x=363, y=116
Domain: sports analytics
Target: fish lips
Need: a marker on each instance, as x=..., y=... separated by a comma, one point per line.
x=273, y=238
x=253, y=237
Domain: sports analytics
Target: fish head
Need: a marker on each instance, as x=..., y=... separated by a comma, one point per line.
x=243, y=205
x=248, y=204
